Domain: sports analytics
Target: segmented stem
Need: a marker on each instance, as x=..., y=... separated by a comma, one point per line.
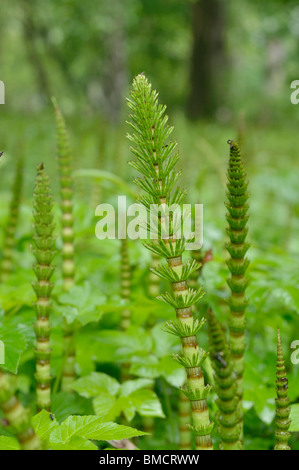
x=229, y=427
x=156, y=161
x=282, y=420
x=16, y=415
x=184, y=410
x=67, y=223
x=44, y=252
x=237, y=247
x=13, y=217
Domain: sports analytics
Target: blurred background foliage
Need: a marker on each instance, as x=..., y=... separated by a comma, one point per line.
x=224, y=68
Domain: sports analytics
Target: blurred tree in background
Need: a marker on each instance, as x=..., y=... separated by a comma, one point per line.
x=208, y=57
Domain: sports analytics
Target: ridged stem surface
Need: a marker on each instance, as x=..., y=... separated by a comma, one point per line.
x=13, y=217
x=229, y=427
x=237, y=218
x=67, y=223
x=44, y=252
x=282, y=434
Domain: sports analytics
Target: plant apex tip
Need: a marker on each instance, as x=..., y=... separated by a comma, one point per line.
x=54, y=102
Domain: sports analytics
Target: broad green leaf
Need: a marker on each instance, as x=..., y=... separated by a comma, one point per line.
x=126, y=406
x=151, y=367
x=104, y=406
x=81, y=304
x=14, y=344
x=164, y=343
x=75, y=443
x=9, y=443
x=146, y=403
x=134, y=397
x=118, y=345
x=15, y=294
x=44, y=425
x=294, y=418
x=91, y=427
x=173, y=372
x=131, y=386
x=94, y=384
x=65, y=404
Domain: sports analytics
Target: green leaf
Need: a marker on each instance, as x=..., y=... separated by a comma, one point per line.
x=104, y=406
x=130, y=386
x=94, y=384
x=151, y=367
x=44, y=425
x=81, y=304
x=9, y=443
x=295, y=418
x=117, y=345
x=146, y=403
x=75, y=443
x=134, y=397
x=15, y=344
x=91, y=427
x=65, y=404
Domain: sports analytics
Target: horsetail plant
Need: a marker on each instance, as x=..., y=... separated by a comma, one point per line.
x=282, y=434
x=156, y=160
x=44, y=252
x=16, y=416
x=237, y=247
x=66, y=195
x=10, y=230
x=67, y=222
x=229, y=427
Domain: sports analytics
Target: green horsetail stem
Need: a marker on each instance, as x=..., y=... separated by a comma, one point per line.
x=67, y=223
x=184, y=407
x=13, y=217
x=44, y=252
x=229, y=427
x=237, y=247
x=283, y=409
x=156, y=160
x=184, y=411
x=17, y=417
x=66, y=196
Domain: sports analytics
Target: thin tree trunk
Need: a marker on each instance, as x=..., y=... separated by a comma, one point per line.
x=30, y=35
x=208, y=57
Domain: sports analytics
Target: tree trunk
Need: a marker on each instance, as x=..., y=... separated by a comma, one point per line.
x=208, y=57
